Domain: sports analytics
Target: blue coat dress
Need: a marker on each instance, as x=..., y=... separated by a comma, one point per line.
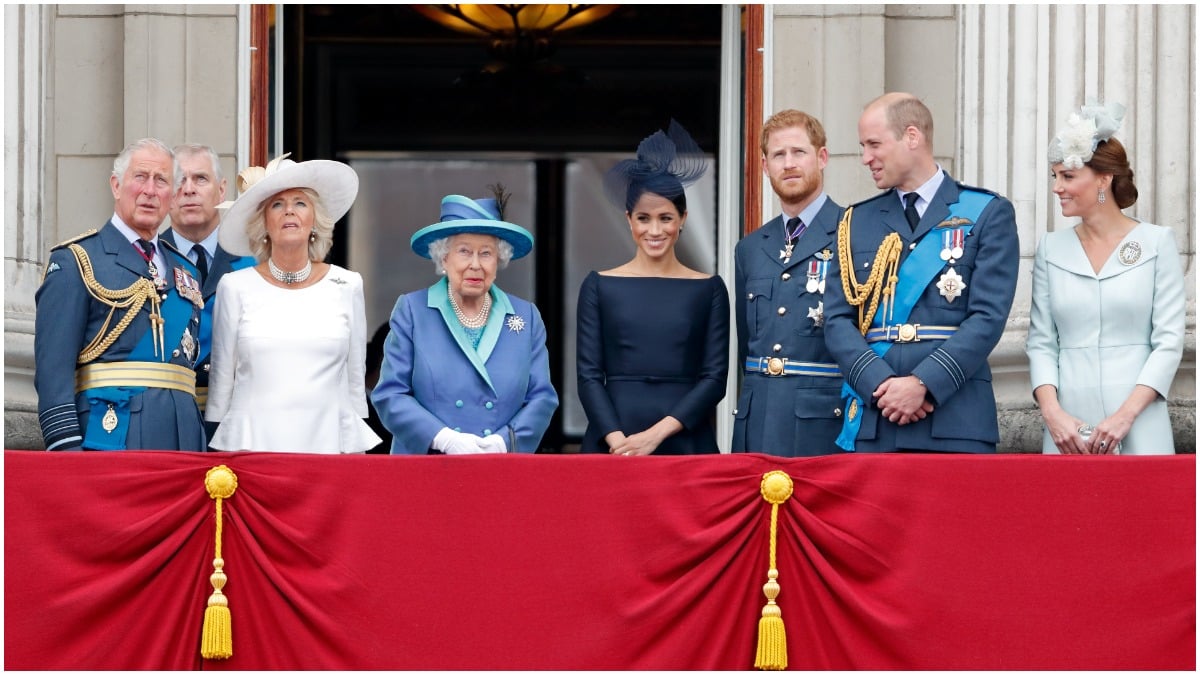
x=791, y=415
x=954, y=369
x=68, y=318
x=432, y=378
x=1096, y=336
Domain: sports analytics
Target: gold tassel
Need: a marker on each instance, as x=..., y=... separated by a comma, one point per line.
x=216, y=640
x=776, y=488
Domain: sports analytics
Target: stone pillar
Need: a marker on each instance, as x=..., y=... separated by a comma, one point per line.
x=1035, y=65
x=82, y=81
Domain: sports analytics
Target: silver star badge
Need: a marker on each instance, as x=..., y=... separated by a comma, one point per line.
x=951, y=285
x=516, y=324
x=817, y=314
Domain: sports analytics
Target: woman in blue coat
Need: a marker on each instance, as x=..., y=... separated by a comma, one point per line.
x=465, y=368
x=1106, y=328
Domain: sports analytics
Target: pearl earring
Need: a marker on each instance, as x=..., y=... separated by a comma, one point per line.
x=312, y=236
x=1102, y=198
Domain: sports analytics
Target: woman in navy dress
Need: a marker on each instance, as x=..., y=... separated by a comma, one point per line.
x=653, y=335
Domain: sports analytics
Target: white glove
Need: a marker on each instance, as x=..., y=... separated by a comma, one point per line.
x=454, y=442
x=493, y=443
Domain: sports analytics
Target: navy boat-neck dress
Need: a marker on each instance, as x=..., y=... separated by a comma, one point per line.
x=648, y=347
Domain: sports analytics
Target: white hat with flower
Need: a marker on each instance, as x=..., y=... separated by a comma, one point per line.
x=1076, y=143
x=335, y=183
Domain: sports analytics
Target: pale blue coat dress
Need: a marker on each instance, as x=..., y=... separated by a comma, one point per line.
x=1096, y=336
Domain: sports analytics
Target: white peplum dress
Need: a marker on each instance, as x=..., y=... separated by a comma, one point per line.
x=288, y=365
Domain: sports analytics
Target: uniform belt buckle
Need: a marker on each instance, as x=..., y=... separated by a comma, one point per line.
x=775, y=366
x=905, y=333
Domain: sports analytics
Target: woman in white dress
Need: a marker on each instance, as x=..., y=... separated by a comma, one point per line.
x=289, y=334
x=1107, y=321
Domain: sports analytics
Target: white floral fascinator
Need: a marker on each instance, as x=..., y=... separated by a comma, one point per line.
x=335, y=183
x=1095, y=122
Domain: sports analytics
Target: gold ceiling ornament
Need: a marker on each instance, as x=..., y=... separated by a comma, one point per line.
x=520, y=33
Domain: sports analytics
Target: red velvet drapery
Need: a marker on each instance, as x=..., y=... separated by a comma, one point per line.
x=597, y=562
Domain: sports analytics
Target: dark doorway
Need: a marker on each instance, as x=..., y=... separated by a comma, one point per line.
x=383, y=80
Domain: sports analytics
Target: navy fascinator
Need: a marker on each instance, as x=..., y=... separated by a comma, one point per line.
x=665, y=163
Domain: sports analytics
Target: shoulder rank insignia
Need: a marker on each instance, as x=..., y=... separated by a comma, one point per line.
x=74, y=239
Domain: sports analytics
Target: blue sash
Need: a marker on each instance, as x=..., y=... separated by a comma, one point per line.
x=913, y=278
x=176, y=313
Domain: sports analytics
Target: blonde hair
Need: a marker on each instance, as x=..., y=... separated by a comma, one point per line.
x=322, y=232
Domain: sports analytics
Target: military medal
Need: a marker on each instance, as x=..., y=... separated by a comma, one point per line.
x=516, y=324
x=1130, y=252
x=814, y=276
x=790, y=238
x=824, y=256
x=189, y=344
x=952, y=245
x=189, y=287
x=817, y=314
x=110, y=420
x=951, y=285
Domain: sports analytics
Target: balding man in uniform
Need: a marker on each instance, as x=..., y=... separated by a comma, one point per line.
x=925, y=277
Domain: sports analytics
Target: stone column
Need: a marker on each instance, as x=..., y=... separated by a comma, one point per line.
x=1032, y=65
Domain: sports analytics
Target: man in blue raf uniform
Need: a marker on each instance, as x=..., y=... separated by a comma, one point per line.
x=924, y=280
x=195, y=219
x=118, y=315
x=790, y=403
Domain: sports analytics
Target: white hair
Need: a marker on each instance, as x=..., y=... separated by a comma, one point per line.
x=191, y=149
x=438, y=248
x=121, y=163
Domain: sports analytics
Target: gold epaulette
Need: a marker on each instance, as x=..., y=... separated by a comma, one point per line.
x=130, y=299
x=887, y=261
x=74, y=239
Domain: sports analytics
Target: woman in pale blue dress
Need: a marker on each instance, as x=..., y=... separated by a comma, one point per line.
x=1107, y=320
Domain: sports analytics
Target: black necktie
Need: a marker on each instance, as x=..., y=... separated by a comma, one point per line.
x=201, y=261
x=148, y=247
x=910, y=210
x=793, y=229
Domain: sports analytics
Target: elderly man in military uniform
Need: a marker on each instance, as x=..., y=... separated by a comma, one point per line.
x=195, y=220
x=118, y=313
x=790, y=404
x=925, y=277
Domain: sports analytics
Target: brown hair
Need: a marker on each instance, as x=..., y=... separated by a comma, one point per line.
x=1110, y=158
x=785, y=119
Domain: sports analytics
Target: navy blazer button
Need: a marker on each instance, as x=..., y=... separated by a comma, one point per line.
x=777, y=348
x=781, y=311
x=785, y=276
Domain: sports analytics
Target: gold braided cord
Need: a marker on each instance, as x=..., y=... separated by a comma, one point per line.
x=131, y=299
x=880, y=282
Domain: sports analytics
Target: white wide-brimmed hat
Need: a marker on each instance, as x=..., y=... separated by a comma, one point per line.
x=335, y=183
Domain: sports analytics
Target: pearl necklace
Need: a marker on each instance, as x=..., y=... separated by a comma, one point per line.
x=479, y=320
x=290, y=278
